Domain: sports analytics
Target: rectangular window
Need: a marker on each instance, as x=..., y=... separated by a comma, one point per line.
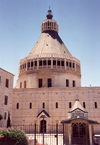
x=67, y=63
x=5, y=115
x=67, y=83
x=58, y=63
x=54, y=62
x=35, y=63
x=44, y=62
x=49, y=62
x=6, y=100
x=17, y=106
x=73, y=83
x=40, y=63
x=49, y=83
x=20, y=84
x=40, y=83
x=24, y=84
x=31, y=64
x=62, y=63
x=30, y=105
x=0, y=79
x=7, y=83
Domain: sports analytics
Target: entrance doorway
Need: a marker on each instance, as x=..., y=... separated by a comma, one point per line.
x=80, y=134
x=43, y=126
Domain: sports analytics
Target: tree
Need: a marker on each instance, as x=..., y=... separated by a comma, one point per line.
x=8, y=121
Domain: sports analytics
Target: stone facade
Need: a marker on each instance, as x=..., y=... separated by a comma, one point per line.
x=6, y=95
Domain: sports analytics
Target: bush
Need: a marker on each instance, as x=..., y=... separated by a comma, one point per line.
x=13, y=136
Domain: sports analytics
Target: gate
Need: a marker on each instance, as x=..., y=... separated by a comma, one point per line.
x=80, y=134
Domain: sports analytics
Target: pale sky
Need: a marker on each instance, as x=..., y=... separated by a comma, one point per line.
x=79, y=28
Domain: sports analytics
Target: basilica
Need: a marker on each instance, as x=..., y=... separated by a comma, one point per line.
x=48, y=90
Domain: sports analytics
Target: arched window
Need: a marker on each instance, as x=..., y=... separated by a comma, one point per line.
x=95, y=104
x=17, y=106
x=56, y=104
x=70, y=105
x=30, y=105
x=43, y=105
x=84, y=105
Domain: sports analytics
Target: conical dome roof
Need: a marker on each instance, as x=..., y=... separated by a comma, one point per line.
x=50, y=43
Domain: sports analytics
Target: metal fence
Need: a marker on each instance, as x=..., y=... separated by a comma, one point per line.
x=44, y=135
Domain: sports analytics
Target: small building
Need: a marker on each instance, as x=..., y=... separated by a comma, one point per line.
x=6, y=95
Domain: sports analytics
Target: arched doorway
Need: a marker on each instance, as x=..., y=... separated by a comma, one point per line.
x=43, y=126
x=80, y=134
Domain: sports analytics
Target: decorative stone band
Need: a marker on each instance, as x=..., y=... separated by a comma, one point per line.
x=49, y=61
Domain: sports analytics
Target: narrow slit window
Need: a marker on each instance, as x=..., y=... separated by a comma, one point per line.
x=7, y=83
x=84, y=105
x=17, y=106
x=95, y=104
x=70, y=105
x=40, y=63
x=6, y=100
x=30, y=105
x=43, y=105
x=24, y=84
x=54, y=62
x=56, y=104
x=20, y=84
x=49, y=62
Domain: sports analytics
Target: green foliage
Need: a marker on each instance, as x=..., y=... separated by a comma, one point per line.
x=13, y=136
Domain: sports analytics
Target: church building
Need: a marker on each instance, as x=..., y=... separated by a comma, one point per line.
x=49, y=92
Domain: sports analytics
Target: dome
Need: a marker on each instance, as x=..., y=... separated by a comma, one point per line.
x=50, y=53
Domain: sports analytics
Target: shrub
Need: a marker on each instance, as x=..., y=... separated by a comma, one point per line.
x=13, y=136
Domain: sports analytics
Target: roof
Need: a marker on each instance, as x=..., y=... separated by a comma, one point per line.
x=77, y=105
x=78, y=117
x=49, y=43
x=6, y=71
x=43, y=111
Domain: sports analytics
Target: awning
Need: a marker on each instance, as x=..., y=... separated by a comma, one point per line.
x=79, y=118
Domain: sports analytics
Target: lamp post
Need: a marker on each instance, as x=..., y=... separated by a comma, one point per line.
x=43, y=116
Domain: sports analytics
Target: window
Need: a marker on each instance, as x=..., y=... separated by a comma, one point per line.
x=73, y=83
x=40, y=83
x=73, y=65
x=5, y=115
x=67, y=83
x=43, y=105
x=95, y=104
x=62, y=63
x=84, y=105
x=7, y=83
x=31, y=64
x=67, y=63
x=49, y=62
x=24, y=84
x=28, y=64
x=6, y=100
x=58, y=63
x=40, y=63
x=17, y=106
x=70, y=64
x=44, y=62
x=56, y=104
x=49, y=83
x=35, y=63
x=20, y=84
x=70, y=105
x=54, y=62
x=30, y=105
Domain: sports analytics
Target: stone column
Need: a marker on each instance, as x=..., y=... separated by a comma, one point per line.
x=51, y=62
x=90, y=134
x=26, y=65
x=37, y=63
x=70, y=132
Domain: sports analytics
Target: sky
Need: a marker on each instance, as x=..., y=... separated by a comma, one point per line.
x=79, y=28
